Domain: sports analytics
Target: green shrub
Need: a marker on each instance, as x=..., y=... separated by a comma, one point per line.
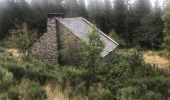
x=136, y=93
x=98, y=93
x=75, y=78
x=35, y=92
x=93, y=48
x=3, y=96
x=32, y=90
x=20, y=38
x=106, y=95
x=18, y=69
x=117, y=38
x=128, y=93
x=13, y=94
x=152, y=96
x=6, y=79
x=2, y=50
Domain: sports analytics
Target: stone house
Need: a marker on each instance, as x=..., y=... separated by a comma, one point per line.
x=63, y=39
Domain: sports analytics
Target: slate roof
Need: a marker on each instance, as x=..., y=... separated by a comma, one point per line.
x=80, y=27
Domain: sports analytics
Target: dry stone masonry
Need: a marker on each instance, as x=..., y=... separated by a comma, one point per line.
x=46, y=45
x=64, y=37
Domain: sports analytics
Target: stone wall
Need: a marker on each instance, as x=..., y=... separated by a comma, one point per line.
x=46, y=45
x=71, y=46
x=58, y=44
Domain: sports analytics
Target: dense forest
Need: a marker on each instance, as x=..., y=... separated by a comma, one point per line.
x=138, y=23
x=141, y=27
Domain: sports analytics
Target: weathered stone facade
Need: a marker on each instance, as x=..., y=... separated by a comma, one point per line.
x=71, y=49
x=63, y=40
x=46, y=45
x=58, y=43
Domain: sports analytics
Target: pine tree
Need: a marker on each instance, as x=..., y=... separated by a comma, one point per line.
x=82, y=9
x=166, y=18
x=105, y=20
x=92, y=9
x=39, y=5
x=120, y=17
x=7, y=19
x=92, y=57
x=158, y=25
x=71, y=8
x=142, y=22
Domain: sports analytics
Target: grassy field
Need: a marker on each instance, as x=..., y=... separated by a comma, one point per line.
x=32, y=78
x=157, y=58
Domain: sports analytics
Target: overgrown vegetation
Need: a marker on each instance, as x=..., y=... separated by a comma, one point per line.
x=124, y=77
x=166, y=17
x=20, y=37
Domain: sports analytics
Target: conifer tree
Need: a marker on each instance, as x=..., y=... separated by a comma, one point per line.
x=82, y=9
x=120, y=18
x=166, y=18
x=71, y=8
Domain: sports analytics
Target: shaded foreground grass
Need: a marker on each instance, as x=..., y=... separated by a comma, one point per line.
x=124, y=76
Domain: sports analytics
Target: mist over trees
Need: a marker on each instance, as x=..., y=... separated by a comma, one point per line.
x=138, y=69
x=137, y=23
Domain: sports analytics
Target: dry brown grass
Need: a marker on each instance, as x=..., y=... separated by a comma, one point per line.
x=55, y=93
x=157, y=60
x=15, y=53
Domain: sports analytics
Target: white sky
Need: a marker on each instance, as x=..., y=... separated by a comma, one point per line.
x=161, y=2
x=152, y=1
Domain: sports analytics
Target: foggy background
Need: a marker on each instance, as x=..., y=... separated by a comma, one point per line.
x=130, y=19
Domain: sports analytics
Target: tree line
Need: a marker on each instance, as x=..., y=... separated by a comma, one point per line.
x=137, y=23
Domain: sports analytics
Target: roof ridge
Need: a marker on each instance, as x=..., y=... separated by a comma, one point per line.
x=69, y=18
x=99, y=31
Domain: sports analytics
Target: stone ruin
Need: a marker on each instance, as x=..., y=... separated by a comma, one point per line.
x=64, y=36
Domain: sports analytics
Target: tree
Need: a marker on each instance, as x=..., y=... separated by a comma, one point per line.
x=39, y=5
x=21, y=37
x=92, y=56
x=82, y=9
x=6, y=17
x=105, y=20
x=71, y=8
x=157, y=25
x=92, y=9
x=17, y=12
x=166, y=18
x=120, y=18
x=93, y=49
x=150, y=32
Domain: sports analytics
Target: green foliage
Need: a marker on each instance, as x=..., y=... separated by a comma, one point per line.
x=13, y=94
x=35, y=92
x=117, y=38
x=93, y=48
x=146, y=88
x=6, y=79
x=120, y=18
x=74, y=77
x=71, y=51
x=92, y=56
x=126, y=76
x=128, y=93
x=166, y=18
x=31, y=67
x=12, y=13
x=32, y=90
x=101, y=94
x=133, y=93
x=152, y=96
x=3, y=96
x=21, y=38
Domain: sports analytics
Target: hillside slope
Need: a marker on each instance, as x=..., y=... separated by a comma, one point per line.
x=126, y=75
